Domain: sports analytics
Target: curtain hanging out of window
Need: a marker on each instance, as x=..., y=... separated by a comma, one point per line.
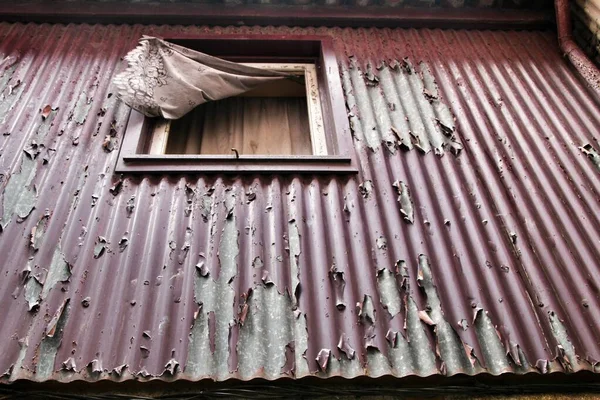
x=167, y=80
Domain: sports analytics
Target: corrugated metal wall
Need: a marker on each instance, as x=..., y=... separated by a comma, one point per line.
x=467, y=243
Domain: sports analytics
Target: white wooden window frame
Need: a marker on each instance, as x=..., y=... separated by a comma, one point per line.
x=160, y=133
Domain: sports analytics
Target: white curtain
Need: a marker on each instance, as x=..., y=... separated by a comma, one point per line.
x=167, y=80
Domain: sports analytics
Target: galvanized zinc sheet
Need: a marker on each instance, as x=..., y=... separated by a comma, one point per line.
x=467, y=243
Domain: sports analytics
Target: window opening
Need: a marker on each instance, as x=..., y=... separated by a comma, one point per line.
x=281, y=117
x=320, y=141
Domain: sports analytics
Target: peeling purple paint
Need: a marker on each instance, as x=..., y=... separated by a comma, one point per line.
x=218, y=277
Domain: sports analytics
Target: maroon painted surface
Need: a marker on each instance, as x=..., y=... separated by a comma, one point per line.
x=530, y=15
x=511, y=225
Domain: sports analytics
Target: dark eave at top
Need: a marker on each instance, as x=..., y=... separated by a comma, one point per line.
x=280, y=14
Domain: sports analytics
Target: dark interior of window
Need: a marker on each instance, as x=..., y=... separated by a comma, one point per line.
x=271, y=119
x=256, y=50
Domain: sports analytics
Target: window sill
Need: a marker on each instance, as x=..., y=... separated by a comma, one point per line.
x=149, y=163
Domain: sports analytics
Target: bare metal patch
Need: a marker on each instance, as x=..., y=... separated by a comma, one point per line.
x=488, y=338
x=267, y=330
x=215, y=297
x=565, y=350
x=456, y=357
x=19, y=196
x=388, y=292
x=51, y=342
x=58, y=271
x=33, y=293
x=398, y=106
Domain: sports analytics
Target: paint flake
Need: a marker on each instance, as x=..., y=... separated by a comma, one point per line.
x=100, y=248
x=366, y=188
x=38, y=231
x=405, y=201
x=52, y=325
x=115, y=189
x=120, y=370
x=69, y=365
x=345, y=347
x=323, y=359
x=129, y=207
x=123, y=243
x=45, y=112
x=392, y=338
x=202, y=269
x=95, y=366
x=171, y=366
x=424, y=316
x=339, y=284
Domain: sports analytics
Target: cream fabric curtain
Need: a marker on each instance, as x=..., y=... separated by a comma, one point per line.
x=252, y=125
x=167, y=80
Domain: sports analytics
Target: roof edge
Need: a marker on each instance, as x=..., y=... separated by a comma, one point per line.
x=221, y=14
x=312, y=386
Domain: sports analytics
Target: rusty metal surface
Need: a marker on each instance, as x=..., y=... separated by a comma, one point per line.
x=468, y=242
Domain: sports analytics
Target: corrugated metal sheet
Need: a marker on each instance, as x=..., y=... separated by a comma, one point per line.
x=468, y=242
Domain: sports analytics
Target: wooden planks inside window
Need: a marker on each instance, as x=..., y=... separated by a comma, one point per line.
x=276, y=119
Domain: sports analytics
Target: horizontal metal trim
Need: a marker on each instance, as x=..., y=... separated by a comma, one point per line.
x=145, y=163
x=176, y=158
x=216, y=14
x=481, y=385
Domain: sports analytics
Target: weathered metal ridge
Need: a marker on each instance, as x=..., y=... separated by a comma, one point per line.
x=467, y=244
x=529, y=15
